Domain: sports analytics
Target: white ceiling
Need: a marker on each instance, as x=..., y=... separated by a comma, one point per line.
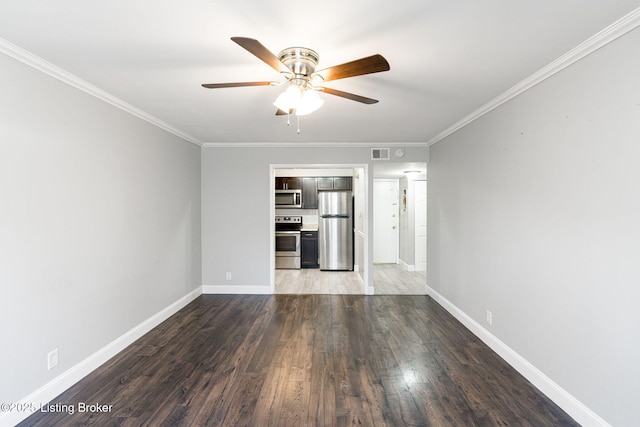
x=448, y=58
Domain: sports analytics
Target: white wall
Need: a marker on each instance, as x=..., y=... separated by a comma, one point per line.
x=236, y=220
x=534, y=214
x=99, y=225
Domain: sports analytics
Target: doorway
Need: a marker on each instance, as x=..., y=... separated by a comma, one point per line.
x=309, y=278
x=400, y=260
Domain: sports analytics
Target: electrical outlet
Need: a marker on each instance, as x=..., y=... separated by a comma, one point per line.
x=228, y=275
x=489, y=317
x=52, y=359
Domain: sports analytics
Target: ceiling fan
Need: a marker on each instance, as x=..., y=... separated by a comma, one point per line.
x=298, y=65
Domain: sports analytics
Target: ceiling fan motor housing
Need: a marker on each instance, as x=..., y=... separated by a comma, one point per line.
x=300, y=60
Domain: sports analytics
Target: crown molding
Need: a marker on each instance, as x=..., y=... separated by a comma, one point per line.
x=619, y=28
x=344, y=144
x=46, y=67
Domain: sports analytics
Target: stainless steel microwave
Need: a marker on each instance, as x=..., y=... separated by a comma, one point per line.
x=288, y=198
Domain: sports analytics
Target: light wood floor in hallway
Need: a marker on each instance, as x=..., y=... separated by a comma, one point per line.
x=388, y=279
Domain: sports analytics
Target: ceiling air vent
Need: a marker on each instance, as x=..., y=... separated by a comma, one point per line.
x=379, y=154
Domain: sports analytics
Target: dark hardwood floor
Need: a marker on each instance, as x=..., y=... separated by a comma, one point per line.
x=307, y=360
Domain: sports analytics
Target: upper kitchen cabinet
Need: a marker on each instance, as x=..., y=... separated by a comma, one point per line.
x=335, y=183
x=310, y=193
x=342, y=183
x=325, y=183
x=288, y=183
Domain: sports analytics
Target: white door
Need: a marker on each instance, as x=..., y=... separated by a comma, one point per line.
x=420, y=194
x=385, y=221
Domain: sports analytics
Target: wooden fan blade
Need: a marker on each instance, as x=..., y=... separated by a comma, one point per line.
x=262, y=53
x=350, y=96
x=239, y=84
x=370, y=64
x=283, y=113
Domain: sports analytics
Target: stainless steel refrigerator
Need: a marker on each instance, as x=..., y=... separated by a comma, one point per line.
x=335, y=230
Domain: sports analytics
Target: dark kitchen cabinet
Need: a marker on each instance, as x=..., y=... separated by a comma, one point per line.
x=309, y=193
x=334, y=183
x=325, y=183
x=288, y=183
x=342, y=183
x=309, y=249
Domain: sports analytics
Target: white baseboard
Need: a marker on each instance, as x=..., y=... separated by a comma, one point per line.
x=407, y=267
x=62, y=382
x=235, y=289
x=368, y=290
x=572, y=406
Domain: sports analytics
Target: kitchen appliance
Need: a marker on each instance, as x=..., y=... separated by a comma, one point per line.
x=287, y=229
x=288, y=199
x=335, y=230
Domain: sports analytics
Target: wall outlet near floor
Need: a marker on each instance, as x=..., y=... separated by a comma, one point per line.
x=228, y=276
x=489, y=317
x=52, y=359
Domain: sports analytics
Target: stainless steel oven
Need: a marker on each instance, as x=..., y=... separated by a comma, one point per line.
x=288, y=241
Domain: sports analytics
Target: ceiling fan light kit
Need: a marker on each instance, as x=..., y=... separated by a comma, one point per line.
x=298, y=65
x=301, y=99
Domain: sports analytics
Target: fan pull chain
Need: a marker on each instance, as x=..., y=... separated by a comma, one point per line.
x=289, y=121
